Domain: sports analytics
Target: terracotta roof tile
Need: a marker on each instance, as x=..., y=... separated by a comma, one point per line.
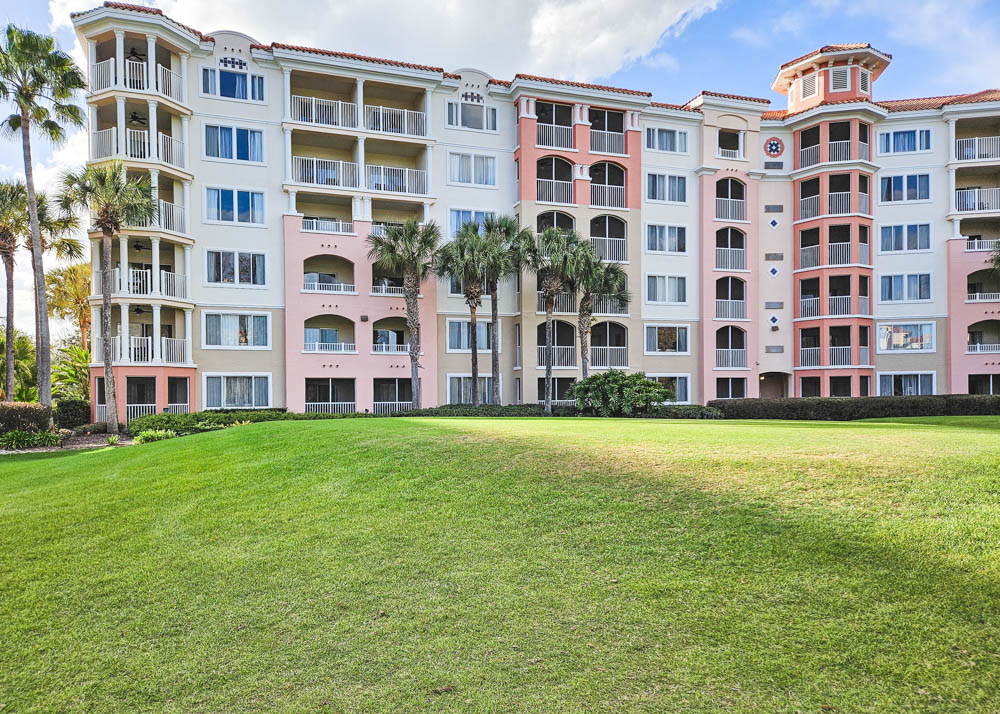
x=148, y=10
x=785, y=114
x=729, y=96
x=452, y=75
x=500, y=82
x=582, y=85
x=836, y=48
x=352, y=56
x=920, y=103
x=774, y=114
x=679, y=107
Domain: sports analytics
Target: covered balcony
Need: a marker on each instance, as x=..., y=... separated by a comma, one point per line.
x=554, y=127
x=563, y=345
x=324, y=160
x=607, y=238
x=730, y=144
x=329, y=334
x=330, y=395
x=152, y=268
x=809, y=299
x=840, y=194
x=607, y=132
x=397, y=168
x=984, y=337
x=390, y=336
x=328, y=274
x=145, y=334
x=607, y=185
x=565, y=303
x=839, y=295
x=392, y=394
x=554, y=181
x=609, y=346
x=983, y=286
x=385, y=285
x=560, y=391
x=730, y=249
x=140, y=397
x=137, y=63
x=730, y=299
x=839, y=245
x=138, y=130
x=809, y=147
x=730, y=348
x=809, y=199
x=810, y=352
x=730, y=200
x=977, y=139
x=840, y=346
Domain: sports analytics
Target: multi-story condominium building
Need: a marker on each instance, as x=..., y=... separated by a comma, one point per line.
x=837, y=247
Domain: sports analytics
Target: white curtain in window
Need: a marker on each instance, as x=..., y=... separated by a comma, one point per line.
x=239, y=392
x=256, y=146
x=230, y=329
x=260, y=392
x=213, y=392
x=485, y=174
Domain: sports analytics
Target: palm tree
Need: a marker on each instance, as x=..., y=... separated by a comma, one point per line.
x=115, y=200
x=68, y=292
x=505, y=235
x=408, y=249
x=71, y=373
x=555, y=259
x=465, y=259
x=18, y=358
x=596, y=278
x=40, y=81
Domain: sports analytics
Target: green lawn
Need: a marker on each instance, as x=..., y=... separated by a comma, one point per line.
x=508, y=565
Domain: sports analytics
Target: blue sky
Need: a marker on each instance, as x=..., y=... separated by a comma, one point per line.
x=672, y=48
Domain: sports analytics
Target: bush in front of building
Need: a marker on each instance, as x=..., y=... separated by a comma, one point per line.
x=850, y=408
x=197, y=422
x=18, y=439
x=71, y=413
x=617, y=393
x=486, y=410
x=24, y=416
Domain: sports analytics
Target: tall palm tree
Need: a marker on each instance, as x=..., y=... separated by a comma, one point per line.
x=595, y=278
x=555, y=259
x=409, y=250
x=115, y=200
x=505, y=235
x=68, y=293
x=465, y=259
x=40, y=81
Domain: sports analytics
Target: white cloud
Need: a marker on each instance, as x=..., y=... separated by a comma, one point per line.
x=661, y=60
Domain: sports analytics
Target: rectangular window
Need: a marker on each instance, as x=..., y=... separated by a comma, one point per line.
x=911, y=286
x=473, y=169
x=235, y=268
x=678, y=384
x=208, y=85
x=236, y=330
x=232, y=84
x=911, y=187
x=666, y=339
x=732, y=387
x=667, y=140
x=226, y=204
x=906, y=337
x=666, y=188
x=666, y=289
x=666, y=239
x=905, y=385
x=219, y=143
x=904, y=141
x=472, y=116
x=458, y=335
x=237, y=391
x=913, y=236
x=677, y=189
x=460, y=389
x=458, y=217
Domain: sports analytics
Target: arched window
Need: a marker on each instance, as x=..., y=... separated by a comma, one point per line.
x=730, y=338
x=607, y=174
x=730, y=289
x=554, y=219
x=555, y=180
x=607, y=227
x=608, y=334
x=730, y=188
x=555, y=169
x=730, y=238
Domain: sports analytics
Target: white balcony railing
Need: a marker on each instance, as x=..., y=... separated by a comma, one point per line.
x=839, y=304
x=380, y=228
x=984, y=297
x=808, y=207
x=840, y=356
x=169, y=83
x=137, y=143
x=977, y=148
x=808, y=155
x=809, y=307
x=101, y=413
x=564, y=302
x=973, y=200
x=607, y=142
x=562, y=355
x=611, y=249
x=96, y=285
x=730, y=309
x=105, y=143
x=976, y=245
x=395, y=179
x=174, y=285
x=134, y=411
x=116, y=350
x=171, y=150
x=331, y=407
x=140, y=281
x=607, y=305
x=809, y=356
x=983, y=348
x=839, y=253
x=140, y=349
x=609, y=357
x=605, y=196
x=173, y=349
x=730, y=259
x=730, y=359
x=384, y=408
x=135, y=75
x=840, y=150
x=178, y=408
x=728, y=153
x=730, y=209
x=555, y=136
x=390, y=290
x=553, y=191
x=313, y=286
x=864, y=305
x=385, y=349
x=102, y=75
x=339, y=347
x=840, y=203
x=809, y=256
x=324, y=172
x=172, y=217
x=395, y=121
x=325, y=112
x=328, y=225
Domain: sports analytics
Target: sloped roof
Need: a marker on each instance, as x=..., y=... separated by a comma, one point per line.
x=349, y=56
x=582, y=85
x=145, y=9
x=845, y=47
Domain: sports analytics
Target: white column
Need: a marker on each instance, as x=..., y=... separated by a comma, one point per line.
x=951, y=189
x=156, y=333
x=292, y=207
x=359, y=100
x=427, y=213
x=151, y=62
x=154, y=184
x=357, y=209
x=95, y=330
x=184, y=76
x=186, y=151
x=188, y=349
x=119, y=58
x=126, y=343
x=92, y=53
x=956, y=224
x=359, y=156
x=951, y=140
x=288, y=155
x=429, y=167
x=120, y=102
x=154, y=136
x=93, y=127
x=154, y=279
x=187, y=263
x=188, y=218
x=287, y=97
x=428, y=105
x=95, y=265
x=123, y=264
x=366, y=205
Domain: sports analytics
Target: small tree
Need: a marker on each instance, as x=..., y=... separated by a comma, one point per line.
x=596, y=278
x=615, y=393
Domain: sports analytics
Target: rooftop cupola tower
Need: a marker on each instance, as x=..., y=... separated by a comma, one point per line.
x=830, y=74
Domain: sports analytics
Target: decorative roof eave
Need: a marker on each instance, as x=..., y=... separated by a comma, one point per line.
x=574, y=92
x=728, y=101
x=678, y=111
x=860, y=54
x=839, y=107
x=111, y=15
x=309, y=59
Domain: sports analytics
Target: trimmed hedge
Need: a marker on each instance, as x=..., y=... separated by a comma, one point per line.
x=70, y=413
x=683, y=411
x=487, y=410
x=18, y=439
x=850, y=408
x=24, y=416
x=197, y=422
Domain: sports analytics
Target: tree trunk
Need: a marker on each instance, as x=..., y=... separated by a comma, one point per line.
x=8, y=264
x=84, y=333
x=411, y=289
x=43, y=355
x=549, y=306
x=474, y=346
x=583, y=327
x=111, y=404
x=495, y=346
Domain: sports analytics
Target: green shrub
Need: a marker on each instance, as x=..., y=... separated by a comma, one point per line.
x=683, y=411
x=849, y=408
x=70, y=413
x=24, y=416
x=617, y=393
x=197, y=422
x=112, y=440
x=19, y=439
x=151, y=435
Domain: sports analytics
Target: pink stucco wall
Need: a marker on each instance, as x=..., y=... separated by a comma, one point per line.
x=962, y=314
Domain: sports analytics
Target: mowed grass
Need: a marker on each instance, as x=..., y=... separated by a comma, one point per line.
x=508, y=565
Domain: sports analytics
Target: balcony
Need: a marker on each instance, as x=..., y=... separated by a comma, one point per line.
x=607, y=196
x=315, y=286
x=140, y=350
x=730, y=209
x=327, y=225
x=809, y=356
x=331, y=407
x=389, y=120
x=864, y=305
x=607, y=305
x=564, y=302
x=608, y=357
x=978, y=148
x=171, y=217
x=102, y=75
x=808, y=156
x=809, y=307
x=384, y=408
x=864, y=355
x=173, y=285
x=864, y=203
x=730, y=259
x=380, y=228
x=840, y=203
x=607, y=142
x=395, y=179
x=104, y=143
x=324, y=112
x=562, y=356
x=978, y=245
x=173, y=349
x=840, y=356
x=730, y=309
x=839, y=304
x=554, y=136
x=554, y=191
x=809, y=256
x=387, y=349
x=730, y=358
x=977, y=200
x=840, y=151
x=982, y=348
x=330, y=347
x=839, y=253
x=808, y=207
x=983, y=297
x=171, y=150
x=169, y=83
x=385, y=290
x=610, y=249
x=139, y=282
x=324, y=172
